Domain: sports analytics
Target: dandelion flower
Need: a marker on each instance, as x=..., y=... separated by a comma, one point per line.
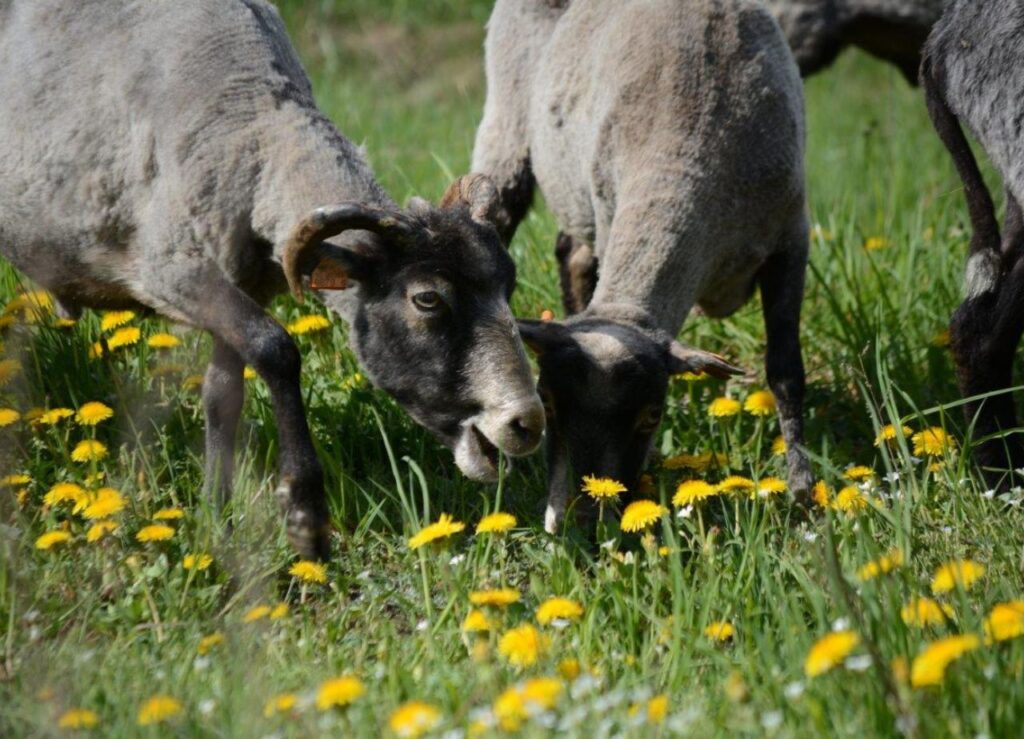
x=657, y=709
x=307, y=325
x=104, y=503
x=207, y=643
x=281, y=703
x=155, y=532
x=255, y=614
x=55, y=416
x=736, y=482
x=859, y=472
x=93, y=413
x=692, y=491
x=78, y=718
x=888, y=433
x=198, y=562
x=829, y=651
x=64, y=492
x=249, y=373
x=278, y=612
x=542, y=691
x=760, y=403
x=308, y=571
x=96, y=350
x=1005, y=621
x=719, y=631
x=498, y=598
x=822, y=494
x=959, y=573
x=158, y=709
x=89, y=451
x=168, y=514
x=476, y=620
x=496, y=523
x=569, y=668
x=13, y=480
x=413, y=719
x=642, y=514
x=558, y=609
x=444, y=527
x=98, y=530
x=723, y=407
x=923, y=612
x=113, y=319
x=523, y=645
x=600, y=488
x=778, y=446
x=933, y=442
x=886, y=563
x=8, y=369
x=695, y=462
x=769, y=486
x=929, y=666
x=8, y=416
x=338, y=692
x=124, y=337
x=850, y=500
x=51, y=539
x=163, y=341
x=192, y=382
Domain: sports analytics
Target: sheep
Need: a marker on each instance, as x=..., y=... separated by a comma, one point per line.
x=971, y=75
x=667, y=138
x=171, y=157
x=893, y=30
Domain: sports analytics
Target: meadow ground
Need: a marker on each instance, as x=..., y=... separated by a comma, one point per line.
x=241, y=647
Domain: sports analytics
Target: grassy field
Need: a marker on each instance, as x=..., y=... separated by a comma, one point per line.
x=106, y=625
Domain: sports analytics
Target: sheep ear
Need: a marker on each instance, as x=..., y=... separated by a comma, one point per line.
x=542, y=336
x=687, y=359
x=476, y=192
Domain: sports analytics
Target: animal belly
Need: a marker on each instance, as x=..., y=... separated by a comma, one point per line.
x=726, y=296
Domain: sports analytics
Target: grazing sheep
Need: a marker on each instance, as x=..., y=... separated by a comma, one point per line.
x=667, y=138
x=972, y=74
x=169, y=155
x=893, y=30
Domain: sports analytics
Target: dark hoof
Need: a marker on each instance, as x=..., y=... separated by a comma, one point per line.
x=306, y=525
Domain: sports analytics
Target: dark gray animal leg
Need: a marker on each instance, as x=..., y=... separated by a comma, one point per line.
x=782, y=288
x=223, y=393
x=577, y=272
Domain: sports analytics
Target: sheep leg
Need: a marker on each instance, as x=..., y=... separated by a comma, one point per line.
x=984, y=333
x=223, y=393
x=577, y=272
x=782, y=287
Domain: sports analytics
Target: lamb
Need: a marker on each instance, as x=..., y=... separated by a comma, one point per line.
x=893, y=30
x=971, y=75
x=667, y=138
x=170, y=156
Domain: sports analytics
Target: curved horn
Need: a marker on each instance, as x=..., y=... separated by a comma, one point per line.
x=323, y=223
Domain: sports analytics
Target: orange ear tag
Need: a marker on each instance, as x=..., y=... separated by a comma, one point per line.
x=329, y=275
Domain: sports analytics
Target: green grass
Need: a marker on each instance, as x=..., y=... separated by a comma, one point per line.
x=106, y=625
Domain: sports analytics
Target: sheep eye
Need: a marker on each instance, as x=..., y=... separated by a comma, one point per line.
x=428, y=301
x=649, y=419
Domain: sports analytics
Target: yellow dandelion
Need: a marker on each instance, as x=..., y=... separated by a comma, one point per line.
x=657, y=709
x=496, y=523
x=693, y=491
x=769, y=486
x=886, y=563
x=278, y=612
x=778, y=446
x=859, y=472
x=308, y=571
x=719, y=631
x=958, y=573
x=255, y=614
x=498, y=598
x=307, y=325
x=93, y=413
x=198, y=562
x=78, y=718
x=561, y=609
x=476, y=620
x=923, y=612
x=850, y=500
x=523, y=645
x=163, y=341
x=339, y=692
x=736, y=483
x=760, y=403
x=14, y=480
x=96, y=350
x=601, y=488
x=510, y=710
x=113, y=319
x=822, y=494
x=124, y=337
x=168, y=514
x=104, y=503
x=569, y=668
x=723, y=407
x=8, y=416
x=829, y=651
x=413, y=719
x=51, y=539
x=158, y=709
x=89, y=450
x=281, y=703
x=874, y=243
x=55, y=416
x=8, y=369
x=1005, y=621
x=249, y=373
x=889, y=433
x=933, y=442
x=695, y=462
x=64, y=492
x=207, y=643
x=642, y=514
x=929, y=666
x=99, y=530
x=443, y=528
x=192, y=382
x=155, y=532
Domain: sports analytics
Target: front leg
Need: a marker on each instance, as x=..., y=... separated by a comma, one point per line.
x=577, y=272
x=223, y=394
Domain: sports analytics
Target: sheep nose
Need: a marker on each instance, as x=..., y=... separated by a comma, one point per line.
x=524, y=428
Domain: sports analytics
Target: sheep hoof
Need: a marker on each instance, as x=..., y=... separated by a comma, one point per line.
x=307, y=529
